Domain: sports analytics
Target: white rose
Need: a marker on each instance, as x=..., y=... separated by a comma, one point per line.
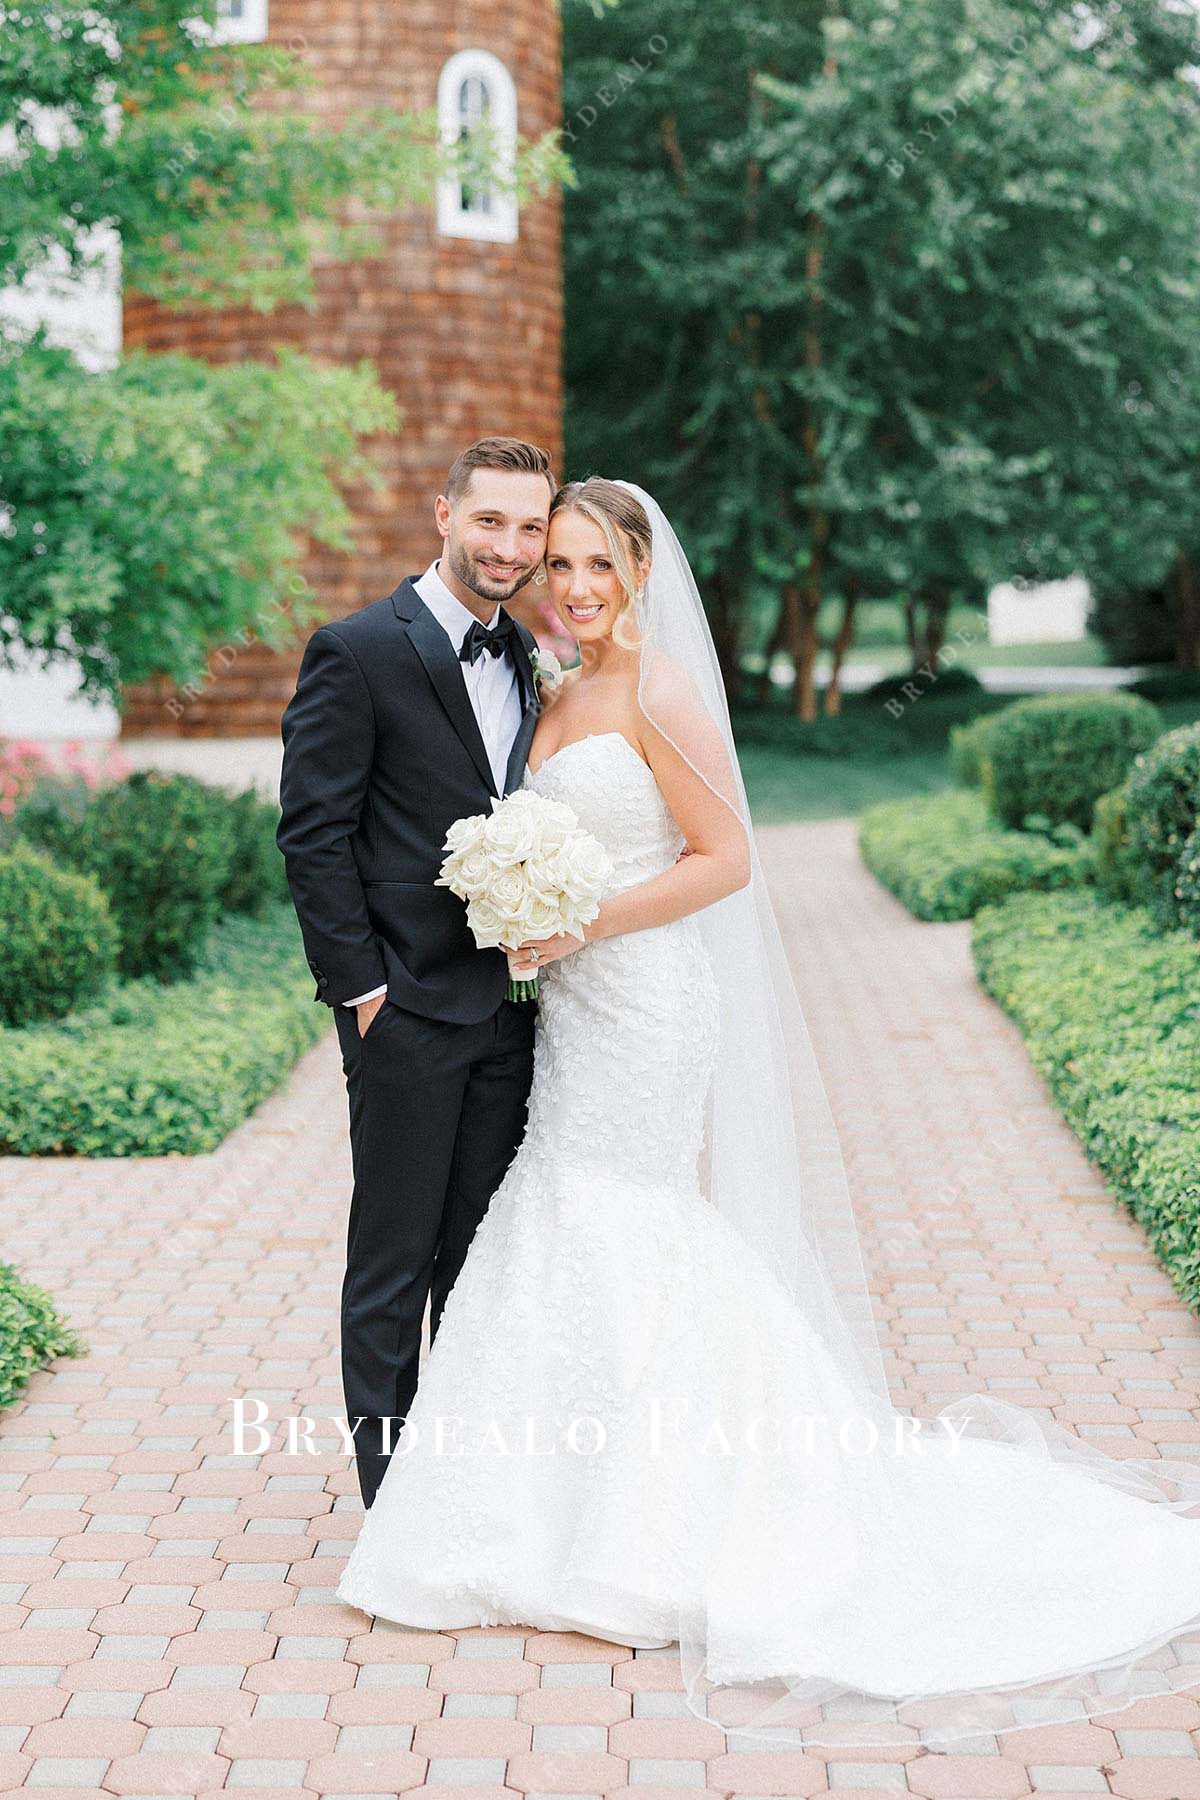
x=555, y=833
x=540, y=916
x=583, y=866
x=512, y=834
x=472, y=872
x=507, y=893
x=558, y=813
x=486, y=925
x=464, y=833
x=547, y=669
x=540, y=874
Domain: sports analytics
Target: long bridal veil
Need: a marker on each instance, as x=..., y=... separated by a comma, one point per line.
x=894, y=1523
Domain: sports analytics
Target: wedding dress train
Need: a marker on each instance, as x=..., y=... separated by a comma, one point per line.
x=625, y=1424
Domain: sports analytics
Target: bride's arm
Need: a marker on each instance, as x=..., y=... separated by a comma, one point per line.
x=718, y=859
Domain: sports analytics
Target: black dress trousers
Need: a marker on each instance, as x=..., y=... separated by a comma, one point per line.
x=437, y=1110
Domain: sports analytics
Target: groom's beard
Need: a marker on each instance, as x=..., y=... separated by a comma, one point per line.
x=464, y=566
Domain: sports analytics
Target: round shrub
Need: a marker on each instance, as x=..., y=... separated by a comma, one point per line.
x=905, y=688
x=58, y=943
x=969, y=749
x=1055, y=754
x=157, y=846
x=1162, y=799
x=257, y=874
x=1187, y=884
x=1115, y=861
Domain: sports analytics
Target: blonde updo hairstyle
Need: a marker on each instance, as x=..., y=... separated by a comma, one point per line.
x=625, y=523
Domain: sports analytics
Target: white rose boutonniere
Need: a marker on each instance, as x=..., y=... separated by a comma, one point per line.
x=547, y=671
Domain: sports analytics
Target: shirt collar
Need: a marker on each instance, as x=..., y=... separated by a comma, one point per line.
x=449, y=611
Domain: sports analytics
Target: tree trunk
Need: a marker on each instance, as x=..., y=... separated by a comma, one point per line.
x=841, y=643
x=925, y=623
x=801, y=603
x=1185, y=586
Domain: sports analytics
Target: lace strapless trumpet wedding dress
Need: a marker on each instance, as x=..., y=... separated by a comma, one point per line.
x=582, y=1452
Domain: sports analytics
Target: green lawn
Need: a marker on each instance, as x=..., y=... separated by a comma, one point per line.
x=836, y=767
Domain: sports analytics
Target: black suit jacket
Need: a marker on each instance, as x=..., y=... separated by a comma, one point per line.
x=381, y=753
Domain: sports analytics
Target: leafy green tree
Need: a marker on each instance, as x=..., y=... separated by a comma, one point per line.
x=152, y=509
x=874, y=314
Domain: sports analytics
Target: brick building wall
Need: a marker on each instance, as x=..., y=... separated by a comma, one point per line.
x=465, y=333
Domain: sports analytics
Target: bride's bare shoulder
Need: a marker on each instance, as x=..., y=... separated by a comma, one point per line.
x=668, y=696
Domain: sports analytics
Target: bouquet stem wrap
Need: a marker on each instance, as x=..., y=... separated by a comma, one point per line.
x=520, y=987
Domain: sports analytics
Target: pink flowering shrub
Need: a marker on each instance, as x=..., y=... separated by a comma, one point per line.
x=26, y=766
x=22, y=765
x=36, y=778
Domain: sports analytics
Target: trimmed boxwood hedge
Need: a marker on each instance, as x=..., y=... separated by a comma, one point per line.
x=31, y=1333
x=969, y=748
x=58, y=943
x=1118, y=869
x=1055, y=754
x=1161, y=803
x=257, y=872
x=943, y=858
x=152, y=1069
x=171, y=852
x=1109, y=1008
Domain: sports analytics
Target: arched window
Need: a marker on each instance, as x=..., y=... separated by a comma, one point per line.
x=241, y=21
x=475, y=89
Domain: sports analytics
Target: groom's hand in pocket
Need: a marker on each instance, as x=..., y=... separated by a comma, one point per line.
x=366, y=1010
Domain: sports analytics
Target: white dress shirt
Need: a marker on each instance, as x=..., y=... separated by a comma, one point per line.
x=491, y=683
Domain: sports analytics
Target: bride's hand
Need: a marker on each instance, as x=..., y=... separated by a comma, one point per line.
x=549, y=949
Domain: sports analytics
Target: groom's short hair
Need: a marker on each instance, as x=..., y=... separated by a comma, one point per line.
x=498, y=453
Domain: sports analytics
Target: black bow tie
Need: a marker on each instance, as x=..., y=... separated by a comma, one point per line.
x=478, y=638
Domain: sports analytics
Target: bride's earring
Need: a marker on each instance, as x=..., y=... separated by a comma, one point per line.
x=539, y=579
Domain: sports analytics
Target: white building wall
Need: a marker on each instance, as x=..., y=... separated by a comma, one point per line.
x=1054, y=612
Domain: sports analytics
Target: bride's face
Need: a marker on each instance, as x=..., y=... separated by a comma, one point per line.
x=585, y=588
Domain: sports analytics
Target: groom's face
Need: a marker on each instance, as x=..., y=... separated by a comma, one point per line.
x=495, y=532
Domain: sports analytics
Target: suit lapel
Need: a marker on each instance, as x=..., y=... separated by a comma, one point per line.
x=530, y=708
x=445, y=672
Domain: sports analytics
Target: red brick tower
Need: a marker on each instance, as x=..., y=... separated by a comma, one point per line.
x=461, y=314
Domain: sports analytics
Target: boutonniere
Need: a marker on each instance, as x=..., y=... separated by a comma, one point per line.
x=547, y=670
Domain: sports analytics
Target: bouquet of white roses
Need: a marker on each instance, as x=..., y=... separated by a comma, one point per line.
x=527, y=870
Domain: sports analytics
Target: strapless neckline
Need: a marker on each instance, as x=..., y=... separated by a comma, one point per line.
x=591, y=737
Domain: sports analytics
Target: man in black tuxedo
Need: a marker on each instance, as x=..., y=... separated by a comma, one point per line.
x=411, y=713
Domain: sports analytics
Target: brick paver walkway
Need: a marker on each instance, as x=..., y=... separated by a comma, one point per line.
x=171, y=1625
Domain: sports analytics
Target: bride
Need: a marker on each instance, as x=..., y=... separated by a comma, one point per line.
x=656, y=1409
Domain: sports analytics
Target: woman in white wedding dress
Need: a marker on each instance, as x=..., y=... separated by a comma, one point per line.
x=655, y=1410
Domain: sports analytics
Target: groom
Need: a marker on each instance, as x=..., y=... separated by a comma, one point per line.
x=411, y=713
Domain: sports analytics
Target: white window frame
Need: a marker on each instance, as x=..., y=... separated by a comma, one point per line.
x=453, y=219
x=251, y=28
